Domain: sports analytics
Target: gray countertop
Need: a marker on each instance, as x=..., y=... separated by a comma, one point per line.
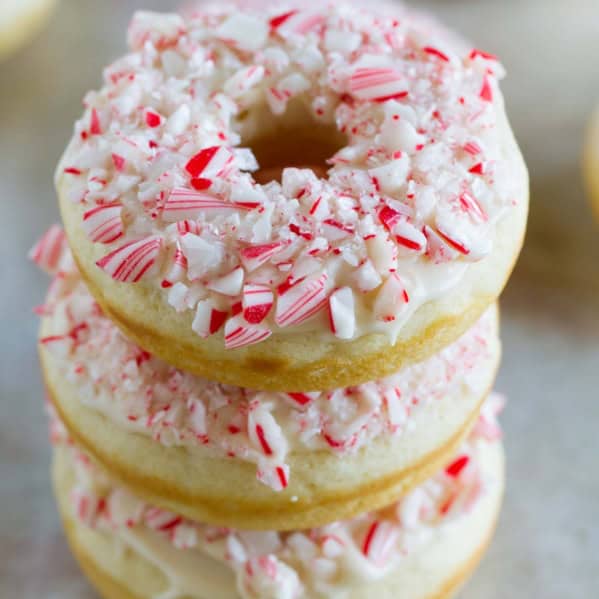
x=547, y=544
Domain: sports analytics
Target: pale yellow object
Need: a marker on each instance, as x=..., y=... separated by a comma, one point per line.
x=591, y=161
x=20, y=20
x=304, y=361
x=435, y=570
x=323, y=487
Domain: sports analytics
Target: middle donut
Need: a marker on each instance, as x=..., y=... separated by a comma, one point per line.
x=252, y=459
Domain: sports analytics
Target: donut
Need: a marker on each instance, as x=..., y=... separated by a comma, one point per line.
x=294, y=198
x=591, y=161
x=233, y=456
x=20, y=20
x=422, y=546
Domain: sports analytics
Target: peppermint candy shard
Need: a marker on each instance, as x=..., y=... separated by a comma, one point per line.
x=47, y=252
x=298, y=302
x=303, y=399
x=379, y=541
x=177, y=270
x=187, y=204
x=377, y=84
x=256, y=255
x=437, y=249
x=103, y=223
x=132, y=261
x=239, y=333
x=214, y=161
x=257, y=301
x=208, y=318
x=391, y=299
x=342, y=316
x=455, y=468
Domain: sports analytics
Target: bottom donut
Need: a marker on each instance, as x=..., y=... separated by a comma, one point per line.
x=422, y=547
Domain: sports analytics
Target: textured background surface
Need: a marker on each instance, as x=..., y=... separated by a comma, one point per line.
x=548, y=539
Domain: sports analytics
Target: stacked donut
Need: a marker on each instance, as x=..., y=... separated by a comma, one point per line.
x=271, y=336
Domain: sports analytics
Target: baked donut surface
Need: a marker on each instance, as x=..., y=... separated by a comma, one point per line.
x=230, y=455
x=423, y=546
x=331, y=273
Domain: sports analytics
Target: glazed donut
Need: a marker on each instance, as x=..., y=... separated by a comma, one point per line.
x=20, y=20
x=216, y=453
x=396, y=218
x=591, y=161
x=421, y=547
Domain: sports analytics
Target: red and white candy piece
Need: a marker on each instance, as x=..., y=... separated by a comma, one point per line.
x=153, y=119
x=60, y=346
x=208, y=318
x=177, y=270
x=242, y=81
x=453, y=239
x=123, y=509
x=185, y=203
x=239, y=333
x=47, y=252
x=457, y=466
x=408, y=236
x=391, y=299
x=188, y=226
x=377, y=84
x=473, y=207
x=87, y=507
x=335, y=230
x=397, y=411
x=342, y=316
x=103, y=223
x=303, y=399
x=404, y=232
x=256, y=255
x=215, y=161
x=161, y=520
x=264, y=432
x=296, y=21
x=132, y=261
x=257, y=301
x=302, y=300
x=486, y=91
x=379, y=541
x=274, y=476
x=437, y=249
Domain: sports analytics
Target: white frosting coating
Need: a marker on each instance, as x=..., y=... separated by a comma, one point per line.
x=141, y=393
x=160, y=164
x=316, y=563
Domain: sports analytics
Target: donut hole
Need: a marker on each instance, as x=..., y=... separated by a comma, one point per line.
x=294, y=139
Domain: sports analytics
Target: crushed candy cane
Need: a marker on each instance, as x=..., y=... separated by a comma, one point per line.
x=142, y=393
x=160, y=163
x=290, y=565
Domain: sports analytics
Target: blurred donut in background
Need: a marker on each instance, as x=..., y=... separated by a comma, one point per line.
x=20, y=20
x=591, y=161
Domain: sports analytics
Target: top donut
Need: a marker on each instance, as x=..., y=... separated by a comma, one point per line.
x=283, y=198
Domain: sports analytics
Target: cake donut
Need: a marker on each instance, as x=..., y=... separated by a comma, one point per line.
x=20, y=20
x=294, y=198
x=422, y=546
x=254, y=459
x=591, y=161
